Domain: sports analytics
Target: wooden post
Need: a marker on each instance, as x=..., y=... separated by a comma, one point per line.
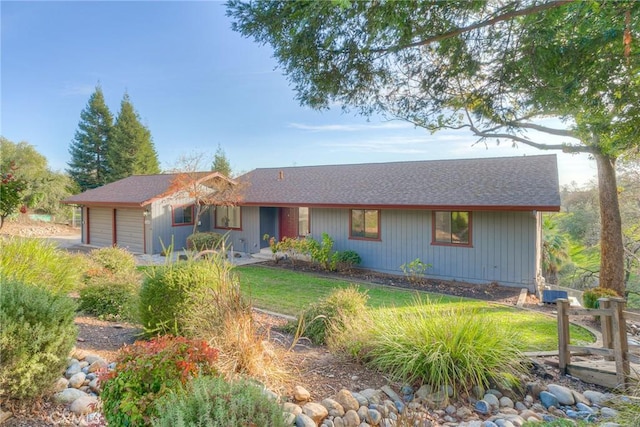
x=564, y=356
x=620, y=343
x=606, y=326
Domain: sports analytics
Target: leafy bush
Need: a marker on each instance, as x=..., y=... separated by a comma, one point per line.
x=149, y=370
x=440, y=346
x=202, y=241
x=37, y=262
x=116, y=260
x=590, y=297
x=111, y=299
x=212, y=402
x=36, y=336
x=166, y=291
x=345, y=260
x=321, y=251
x=415, y=270
x=330, y=313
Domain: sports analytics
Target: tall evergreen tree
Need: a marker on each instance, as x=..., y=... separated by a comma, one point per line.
x=221, y=163
x=131, y=150
x=88, y=166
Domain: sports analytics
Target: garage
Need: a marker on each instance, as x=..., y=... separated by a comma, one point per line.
x=100, y=228
x=130, y=229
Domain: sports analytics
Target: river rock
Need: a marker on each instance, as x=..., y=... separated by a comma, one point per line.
x=292, y=408
x=347, y=400
x=301, y=394
x=335, y=409
x=303, y=420
x=548, y=399
x=84, y=405
x=77, y=380
x=562, y=393
x=98, y=365
x=68, y=395
x=595, y=397
x=351, y=418
x=315, y=411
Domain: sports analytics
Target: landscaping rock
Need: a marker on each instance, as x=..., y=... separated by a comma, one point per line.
x=315, y=411
x=347, y=400
x=562, y=393
x=68, y=395
x=301, y=394
x=84, y=405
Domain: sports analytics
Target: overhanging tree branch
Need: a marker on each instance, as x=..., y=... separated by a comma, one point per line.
x=545, y=129
x=486, y=23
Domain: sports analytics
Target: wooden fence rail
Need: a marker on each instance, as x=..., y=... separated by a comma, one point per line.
x=615, y=346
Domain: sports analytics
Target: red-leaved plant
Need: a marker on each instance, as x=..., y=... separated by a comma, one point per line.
x=148, y=370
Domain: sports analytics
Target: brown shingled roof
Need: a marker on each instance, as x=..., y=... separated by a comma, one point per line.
x=133, y=191
x=515, y=183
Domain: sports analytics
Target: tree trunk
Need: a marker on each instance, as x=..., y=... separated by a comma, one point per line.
x=611, y=249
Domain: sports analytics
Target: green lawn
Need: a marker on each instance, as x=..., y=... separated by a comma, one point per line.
x=288, y=292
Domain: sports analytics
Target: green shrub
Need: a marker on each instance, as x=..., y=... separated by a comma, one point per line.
x=165, y=293
x=116, y=260
x=213, y=402
x=111, y=299
x=321, y=251
x=590, y=297
x=189, y=297
x=436, y=345
x=39, y=263
x=37, y=333
x=345, y=260
x=149, y=370
x=415, y=270
x=330, y=313
x=204, y=241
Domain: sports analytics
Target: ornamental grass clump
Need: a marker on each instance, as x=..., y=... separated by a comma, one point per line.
x=213, y=402
x=435, y=344
x=330, y=313
x=39, y=263
x=37, y=333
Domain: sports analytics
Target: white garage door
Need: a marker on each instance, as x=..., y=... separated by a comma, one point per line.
x=130, y=229
x=100, y=227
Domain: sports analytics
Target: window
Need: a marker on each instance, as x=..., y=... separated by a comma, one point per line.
x=365, y=224
x=303, y=222
x=183, y=215
x=452, y=228
x=228, y=217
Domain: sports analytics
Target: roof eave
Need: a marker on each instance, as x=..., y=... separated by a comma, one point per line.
x=541, y=208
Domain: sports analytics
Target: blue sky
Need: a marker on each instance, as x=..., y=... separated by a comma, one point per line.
x=195, y=84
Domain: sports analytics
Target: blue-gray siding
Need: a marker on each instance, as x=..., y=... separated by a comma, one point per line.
x=504, y=244
x=161, y=231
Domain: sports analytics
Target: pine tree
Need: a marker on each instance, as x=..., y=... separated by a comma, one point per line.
x=131, y=150
x=221, y=163
x=88, y=166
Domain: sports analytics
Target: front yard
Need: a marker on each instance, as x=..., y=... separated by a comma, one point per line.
x=289, y=292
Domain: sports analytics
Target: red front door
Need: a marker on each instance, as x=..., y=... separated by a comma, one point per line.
x=288, y=222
